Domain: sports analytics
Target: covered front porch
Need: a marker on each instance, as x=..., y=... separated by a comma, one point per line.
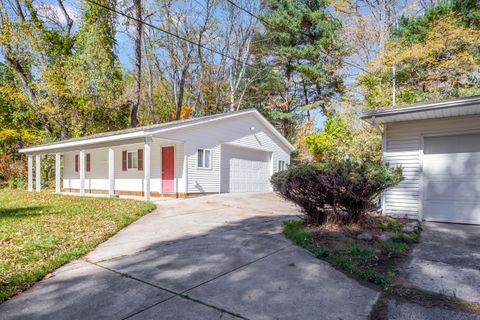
x=151, y=167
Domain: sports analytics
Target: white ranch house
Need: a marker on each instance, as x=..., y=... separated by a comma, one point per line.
x=230, y=152
x=438, y=146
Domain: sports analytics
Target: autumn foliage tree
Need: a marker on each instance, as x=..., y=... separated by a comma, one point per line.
x=344, y=136
x=65, y=76
x=436, y=57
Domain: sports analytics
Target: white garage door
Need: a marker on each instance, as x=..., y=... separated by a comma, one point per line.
x=244, y=170
x=451, y=178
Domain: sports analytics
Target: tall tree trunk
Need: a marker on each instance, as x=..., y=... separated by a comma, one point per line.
x=181, y=87
x=20, y=71
x=305, y=94
x=325, y=109
x=151, y=103
x=138, y=62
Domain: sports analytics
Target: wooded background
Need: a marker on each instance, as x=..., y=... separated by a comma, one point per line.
x=70, y=68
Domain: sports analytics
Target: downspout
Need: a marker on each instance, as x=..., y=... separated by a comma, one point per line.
x=384, y=149
x=185, y=166
x=375, y=124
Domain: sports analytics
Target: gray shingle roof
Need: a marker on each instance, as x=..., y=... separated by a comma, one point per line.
x=165, y=125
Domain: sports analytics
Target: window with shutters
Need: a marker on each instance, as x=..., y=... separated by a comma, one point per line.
x=132, y=160
x=77, y=162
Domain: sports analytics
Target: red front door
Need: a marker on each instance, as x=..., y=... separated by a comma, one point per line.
x=167, y=169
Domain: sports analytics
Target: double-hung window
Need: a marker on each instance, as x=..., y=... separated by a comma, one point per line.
x=281, y=165
x=132, y=160
x=204, y=158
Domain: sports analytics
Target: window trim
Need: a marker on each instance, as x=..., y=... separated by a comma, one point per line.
x=203, y=159
x=136, y=156
x=282, y=165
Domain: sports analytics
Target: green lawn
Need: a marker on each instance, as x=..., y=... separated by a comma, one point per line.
x=40, y=232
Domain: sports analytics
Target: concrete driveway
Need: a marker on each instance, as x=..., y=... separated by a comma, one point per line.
x=215, y=257
x=447, y=261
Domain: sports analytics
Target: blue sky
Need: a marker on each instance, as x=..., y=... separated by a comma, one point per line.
x=125, y=45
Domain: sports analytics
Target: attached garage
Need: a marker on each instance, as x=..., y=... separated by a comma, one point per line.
x=438, y=147
x=245, y=170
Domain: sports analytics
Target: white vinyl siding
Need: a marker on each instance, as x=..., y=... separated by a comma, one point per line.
x=234, y=131
x=130, y=180
x=404, y=146
x=192, y=178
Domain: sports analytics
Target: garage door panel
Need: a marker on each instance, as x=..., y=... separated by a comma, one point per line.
x=452, y=190
x=452, y=165
x=456, y=144
x=458, y=211
x=451, y=175
x=245, y=170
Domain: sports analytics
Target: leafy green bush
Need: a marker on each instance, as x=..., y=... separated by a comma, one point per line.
x=13, y=172
x=339, y=191
x=344, y=136
x=17, y=183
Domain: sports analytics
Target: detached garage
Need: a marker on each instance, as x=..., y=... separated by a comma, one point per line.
x=245, y=170
x=438, y=147
x=229, y=152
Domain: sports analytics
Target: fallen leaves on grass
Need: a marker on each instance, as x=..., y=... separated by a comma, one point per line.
x=41, y=231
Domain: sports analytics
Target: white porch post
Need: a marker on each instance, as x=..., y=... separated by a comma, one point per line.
x=146, y=170
x=185, y=172
x=38, y=183
x=30, y=173
x=82, y=172
x=58, y=186
x=272, y=170
x=111, y=172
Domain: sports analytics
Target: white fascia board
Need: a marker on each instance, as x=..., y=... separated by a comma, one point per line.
x=391, y=111
x=86, y=142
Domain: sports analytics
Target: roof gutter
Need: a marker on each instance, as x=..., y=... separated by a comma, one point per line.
x=85, y=142
x=419, y=108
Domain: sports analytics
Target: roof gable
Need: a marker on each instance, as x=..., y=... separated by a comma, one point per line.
x=146, y=131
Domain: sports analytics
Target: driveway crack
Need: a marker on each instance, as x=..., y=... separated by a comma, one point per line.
x=236, y=269
x=184, y=294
